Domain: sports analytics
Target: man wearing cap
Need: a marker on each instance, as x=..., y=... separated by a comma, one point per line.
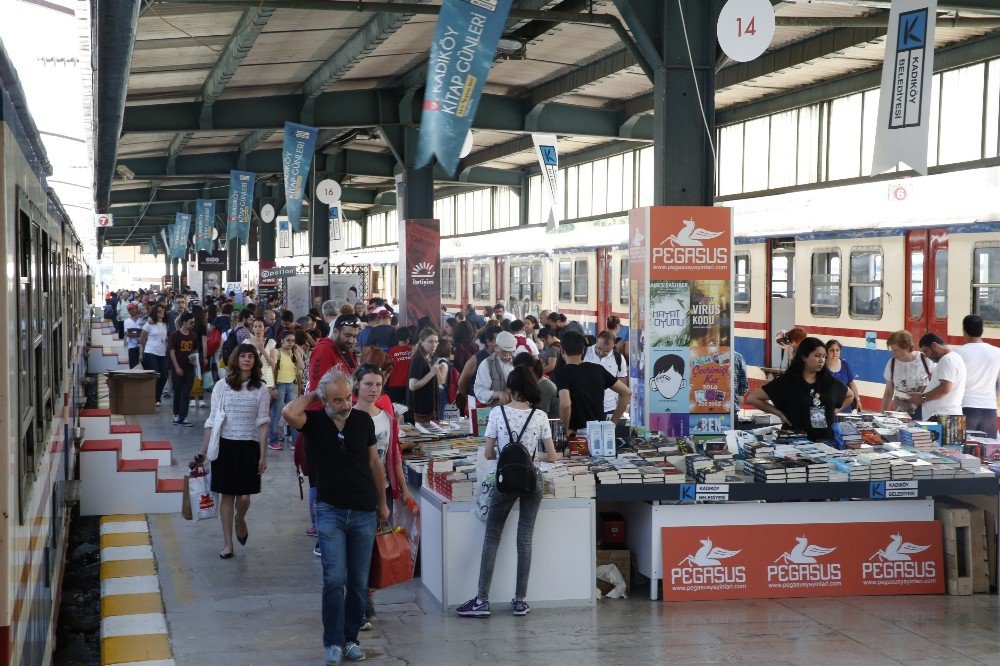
x=382, y=334
x=491, y=377
x=133, y=330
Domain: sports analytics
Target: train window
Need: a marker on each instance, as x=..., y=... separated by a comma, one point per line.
x=623, y=282
x=580, y=281
x=986, y=284
x=866, y=283
x=449, y=283
x=916, y=284
x=565, y=281
x=526, y=282
x=481, y=282
x=941, y=284
x=825, y=292
x=741, y=290
x=781, y=276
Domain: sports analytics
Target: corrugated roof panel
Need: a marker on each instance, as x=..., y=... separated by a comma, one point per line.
x=163, y=21
x=167, y=82
x=274, y=47
x=262, y=75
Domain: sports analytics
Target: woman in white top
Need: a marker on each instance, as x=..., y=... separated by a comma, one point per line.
x=153, y=348
x=245, y=401
x=264, y=348
x=516, y=423
x=908, y=371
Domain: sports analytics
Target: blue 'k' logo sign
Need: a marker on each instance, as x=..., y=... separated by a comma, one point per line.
x=688, y=492
x=876, y=490
x=549, y=157
x=912, y=30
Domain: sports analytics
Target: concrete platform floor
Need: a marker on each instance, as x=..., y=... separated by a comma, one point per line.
x=263, y=608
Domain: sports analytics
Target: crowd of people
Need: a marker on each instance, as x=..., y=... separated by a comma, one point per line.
x=334, y=384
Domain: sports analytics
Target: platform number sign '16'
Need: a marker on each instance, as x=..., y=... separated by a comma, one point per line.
x=745, y=28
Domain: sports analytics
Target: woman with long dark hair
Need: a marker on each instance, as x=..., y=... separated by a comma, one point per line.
x=841, y=369
x=240, y=410
x=426, y=374
x=153, y=348
x=807, y=396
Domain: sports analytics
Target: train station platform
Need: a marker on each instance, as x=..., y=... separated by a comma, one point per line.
x=263, y=607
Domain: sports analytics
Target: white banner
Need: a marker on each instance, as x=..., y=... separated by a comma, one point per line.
x=905, y=97
x=337, y=241
x=166, y=244
x=548, y=160
x=283, y=248
x=346, y=289
x=320, y=272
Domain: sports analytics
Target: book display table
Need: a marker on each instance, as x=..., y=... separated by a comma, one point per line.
x=563, y=552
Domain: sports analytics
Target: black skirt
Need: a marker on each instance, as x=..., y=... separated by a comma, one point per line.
x=234, y=472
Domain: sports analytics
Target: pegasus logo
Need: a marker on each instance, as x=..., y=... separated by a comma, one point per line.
x=638, y=239
x=895, y=563
x=708, y=555
x=898, y=550
x=798, y=567
x=690, y=236
x=706, y=567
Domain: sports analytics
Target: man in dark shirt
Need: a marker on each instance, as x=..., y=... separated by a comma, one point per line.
x=350, y=495
x=181, y=346
x=382, y=334
x=476, y=320
x=582, y=385
x=283, y=326
x=399, y=377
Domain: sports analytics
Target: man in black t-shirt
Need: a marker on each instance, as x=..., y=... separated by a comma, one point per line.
x=182, y=344
x=582, y=385
x=350, y=482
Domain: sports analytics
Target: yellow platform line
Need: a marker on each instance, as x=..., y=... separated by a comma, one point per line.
x=135, y=608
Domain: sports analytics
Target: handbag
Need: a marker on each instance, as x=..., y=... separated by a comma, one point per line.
x=199, y=502
x=218, y=418
x=391, y=563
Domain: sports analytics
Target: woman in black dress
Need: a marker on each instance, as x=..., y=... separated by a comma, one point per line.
x=241, y=412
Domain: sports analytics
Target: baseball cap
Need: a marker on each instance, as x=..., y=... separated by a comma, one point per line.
x=506, y=341
x=132, y=307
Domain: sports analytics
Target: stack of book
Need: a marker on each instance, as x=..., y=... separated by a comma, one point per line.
x=695, y=462
x=917, y=438
x=849, y=468
x=764, y=470
x=850, y=435
x=795, y=471
x=878, y=465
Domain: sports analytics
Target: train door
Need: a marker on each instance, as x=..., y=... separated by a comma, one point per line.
x=463, y=276
x=603, y=287
x=927, y=282
x=500, y=266
x=780, y=295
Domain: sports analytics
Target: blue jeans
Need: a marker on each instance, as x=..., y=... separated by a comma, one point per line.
x=286, y=393
x=346, y=537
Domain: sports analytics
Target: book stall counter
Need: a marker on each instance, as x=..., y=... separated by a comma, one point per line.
x=563, y=552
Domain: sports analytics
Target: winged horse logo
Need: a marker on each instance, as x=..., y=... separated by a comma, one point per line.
x=898, y=550
x=708, y=555
x=804, y=553
x=691, y=235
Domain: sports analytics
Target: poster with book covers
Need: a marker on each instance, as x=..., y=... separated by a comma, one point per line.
x=669, y=320
x=711, y=386
x=710, y=313
x=708, y=424
x=669, y=381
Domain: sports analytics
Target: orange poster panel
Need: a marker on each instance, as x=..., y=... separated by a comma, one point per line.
x=812, y=560
x=690, y=243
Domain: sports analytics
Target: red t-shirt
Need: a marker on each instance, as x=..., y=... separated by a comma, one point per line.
x=400, y=374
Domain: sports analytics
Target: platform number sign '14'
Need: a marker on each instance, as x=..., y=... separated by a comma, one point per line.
x=745, y=28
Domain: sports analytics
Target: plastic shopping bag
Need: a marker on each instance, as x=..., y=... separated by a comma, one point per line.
x=199, y=501
x=391, y=560
x=485, y=481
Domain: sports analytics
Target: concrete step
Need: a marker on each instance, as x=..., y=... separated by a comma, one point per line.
x=111, y=484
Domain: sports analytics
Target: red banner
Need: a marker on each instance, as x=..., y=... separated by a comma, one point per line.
x=813, y=560
x=420, y=285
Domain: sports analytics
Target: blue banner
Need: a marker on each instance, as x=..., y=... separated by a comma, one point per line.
x=153, y=247
x=465, y=43
x=238, y=207
x=296, y=158
x=204, y=222
x=179, y=236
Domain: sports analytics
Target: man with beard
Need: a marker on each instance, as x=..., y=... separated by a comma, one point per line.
x=350, y=485
x=335, y=351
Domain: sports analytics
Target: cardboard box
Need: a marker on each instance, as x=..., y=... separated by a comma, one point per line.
x=132, y=391
x=621, y=559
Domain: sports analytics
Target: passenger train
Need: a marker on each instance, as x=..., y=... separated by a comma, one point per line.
x=45, y=320
x=854, y=263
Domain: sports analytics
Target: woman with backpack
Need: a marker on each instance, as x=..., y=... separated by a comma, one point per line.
x=514, y=429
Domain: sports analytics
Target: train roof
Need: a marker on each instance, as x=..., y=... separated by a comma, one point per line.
x=16, y=114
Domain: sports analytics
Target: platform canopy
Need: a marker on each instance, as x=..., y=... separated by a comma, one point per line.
x=187, y=91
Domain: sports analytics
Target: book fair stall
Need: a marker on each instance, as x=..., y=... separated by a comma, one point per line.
x=703, y=505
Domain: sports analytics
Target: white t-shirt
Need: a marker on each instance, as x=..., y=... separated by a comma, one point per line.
x=156, y=340
x=611, y=365
x=982, y=365
x=537, y=429
x=528, y=346
x=382, y=439
x=950, y=368
x=132, y=322
x=909, y=376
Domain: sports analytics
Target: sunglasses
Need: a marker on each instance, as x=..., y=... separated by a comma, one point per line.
x=353, y=323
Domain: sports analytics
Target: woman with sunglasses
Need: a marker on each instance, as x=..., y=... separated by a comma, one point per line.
x=242, y=402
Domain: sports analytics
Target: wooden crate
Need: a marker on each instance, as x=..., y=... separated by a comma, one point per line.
x=965, y=554
x=988, y=504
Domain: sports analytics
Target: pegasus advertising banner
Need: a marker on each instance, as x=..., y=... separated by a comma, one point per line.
x=296, y=159
x=204, y=222
x=238, y=207
x=420, y=283
x=179, y=236
x=903, y=123
x=465, y=43
x=811, y=560
x=680, y=320
x=548, y=161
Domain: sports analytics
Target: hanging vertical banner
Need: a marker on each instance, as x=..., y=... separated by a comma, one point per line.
x=548, y=160
x=179, y=238
x=238, y=207
x=905, y=97
x=204, y=220
x=296, y=158
x=465, y=43
x=283, y=246
x=337, y=240
x=681, y=326
x=153, y=247
x=420, y=284
x=164, y=234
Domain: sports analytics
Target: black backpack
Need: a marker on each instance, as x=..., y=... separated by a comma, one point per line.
x=230, y=343
x=515, y=468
